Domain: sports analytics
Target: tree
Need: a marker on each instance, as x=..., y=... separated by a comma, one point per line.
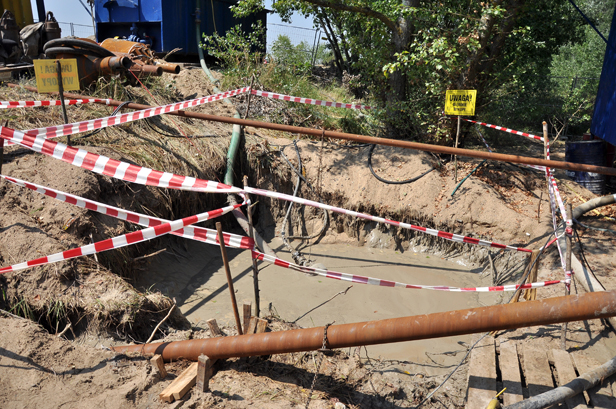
x=411, y=51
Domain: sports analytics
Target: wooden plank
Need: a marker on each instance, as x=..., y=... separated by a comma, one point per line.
x=261, y=326
x=481, y=374
x=252, y=326
x=601, y=396
x=566, y=373
x=182, y=384
x=215, y=331
x=159, y=365
x=205, y=370
x=510, y=371
x=537, y=371
x=247, y=311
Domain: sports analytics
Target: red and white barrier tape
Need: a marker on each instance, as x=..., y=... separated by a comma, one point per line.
x=445, y=235
x=308, y=100
x=190, y=232
x=386, y=283
x=111, y=167
x=28, y=104
x=120, y=241
x=84, y=126
x=502, y=128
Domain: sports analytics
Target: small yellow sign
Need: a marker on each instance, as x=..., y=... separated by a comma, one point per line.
x=460, y=102
x=47, y=75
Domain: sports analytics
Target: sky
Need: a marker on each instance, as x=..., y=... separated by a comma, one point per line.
x=71, y=11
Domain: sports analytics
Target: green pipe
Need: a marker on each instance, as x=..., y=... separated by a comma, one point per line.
x=462, y=181
x=236, y=133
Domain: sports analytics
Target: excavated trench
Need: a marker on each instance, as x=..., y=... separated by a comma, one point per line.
x=193, y=274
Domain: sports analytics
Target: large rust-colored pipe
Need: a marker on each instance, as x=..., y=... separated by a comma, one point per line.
x=579, y=167
x=437, y=325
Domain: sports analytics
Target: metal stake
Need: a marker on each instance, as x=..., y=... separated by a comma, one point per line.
x=61, y=96
x=255, y=268
x=225, y=260
x=568, y=233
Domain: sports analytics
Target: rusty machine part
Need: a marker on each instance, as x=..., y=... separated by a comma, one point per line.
x=94, y=61
x=443, y=324
x=139, y=53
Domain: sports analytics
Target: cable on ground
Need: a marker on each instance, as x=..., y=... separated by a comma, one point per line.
x=391, y=182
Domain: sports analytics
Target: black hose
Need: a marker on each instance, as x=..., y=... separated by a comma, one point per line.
x=115, y=112
x=93, y=48
x=53, y=51
x=391, y=182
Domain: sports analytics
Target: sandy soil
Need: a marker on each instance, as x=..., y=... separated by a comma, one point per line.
x=110, y=301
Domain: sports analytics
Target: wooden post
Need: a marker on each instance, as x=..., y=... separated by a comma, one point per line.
x=205, y=370
x=531, y=293
x=456, y=156
x=568, y=234
x=159, y=365
x=214, y=330
x=252, y=80
x=225, y=260
x=61, y=95
x=2, y=149
x=255, y=268
x=247, y=313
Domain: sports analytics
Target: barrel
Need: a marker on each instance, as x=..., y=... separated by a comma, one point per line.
x=589, y=153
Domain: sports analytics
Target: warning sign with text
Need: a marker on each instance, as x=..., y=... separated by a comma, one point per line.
x=460, y=102
x=47, y=75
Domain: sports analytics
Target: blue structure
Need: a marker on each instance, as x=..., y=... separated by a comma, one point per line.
x=168, y=24
x=604, y=116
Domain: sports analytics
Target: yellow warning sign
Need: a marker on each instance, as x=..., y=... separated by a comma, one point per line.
x=47, y=75
x=460, y=102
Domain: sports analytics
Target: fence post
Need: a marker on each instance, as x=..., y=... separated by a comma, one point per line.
x=72, y=30
x=316, y=49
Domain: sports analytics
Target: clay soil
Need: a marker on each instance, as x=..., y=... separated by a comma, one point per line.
x=58, y=355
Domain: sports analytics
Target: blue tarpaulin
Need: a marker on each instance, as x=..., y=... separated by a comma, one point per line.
x=604, y=118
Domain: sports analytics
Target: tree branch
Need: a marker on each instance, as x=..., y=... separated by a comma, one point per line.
x=361, y=10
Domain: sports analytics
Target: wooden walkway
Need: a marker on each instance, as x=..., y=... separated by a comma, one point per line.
x=528, y=371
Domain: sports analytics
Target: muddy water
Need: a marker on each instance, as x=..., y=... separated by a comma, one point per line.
x=194, y=275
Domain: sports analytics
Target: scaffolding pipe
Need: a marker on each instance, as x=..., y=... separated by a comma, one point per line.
x=427, y=326
x=578, y=167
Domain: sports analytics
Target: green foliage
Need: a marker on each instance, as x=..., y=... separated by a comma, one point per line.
x=292, y=57
x=237, y=51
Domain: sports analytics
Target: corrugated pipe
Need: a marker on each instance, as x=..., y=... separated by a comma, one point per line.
x=437, y=325
x=500, y=157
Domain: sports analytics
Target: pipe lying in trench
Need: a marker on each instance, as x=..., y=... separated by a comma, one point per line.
x=579, y=167
x=437, y=325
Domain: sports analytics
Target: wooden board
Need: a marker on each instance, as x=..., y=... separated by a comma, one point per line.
x=247, y=311
x=159, y=365
x=566, y=373
x=182, y=384
x=510, y=371
x=481, y=375
x=601, y=397
x=537, y=371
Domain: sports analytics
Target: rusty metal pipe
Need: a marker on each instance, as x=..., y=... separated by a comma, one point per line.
x=579, y=167
x=147, y=69
x=112, y=65
x=427, y=326
x=169, y=67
